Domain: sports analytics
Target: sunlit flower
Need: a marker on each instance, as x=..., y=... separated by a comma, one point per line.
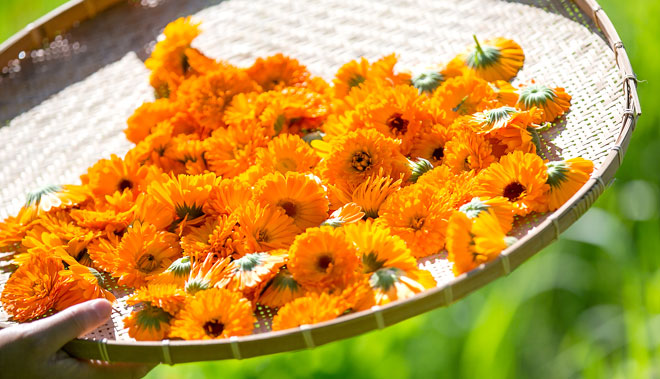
x=322, y=258
x=143, y=253
x=473, y=241
x=265, y=227
x=215, y=313
x=519, y=177
x=280, y=289
x=310, y=309
x=277, y=72
x=300, y=196
x=419, y=217
x=494, y=59
x=566, y=178
x=392, y=283
x=33, y=288
x=248, y=273
x=347, y=214
x=554, y=101
x=377, y=248
x=358, y=155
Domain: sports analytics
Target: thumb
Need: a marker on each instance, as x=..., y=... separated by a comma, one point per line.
x=55, y=331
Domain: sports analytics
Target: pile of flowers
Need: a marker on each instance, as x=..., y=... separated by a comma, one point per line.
x=268, y=185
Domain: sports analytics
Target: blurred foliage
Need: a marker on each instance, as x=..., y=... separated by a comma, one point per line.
x=587, y=306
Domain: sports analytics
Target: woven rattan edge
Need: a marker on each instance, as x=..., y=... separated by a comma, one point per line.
x=172, y=352
x=46, y=28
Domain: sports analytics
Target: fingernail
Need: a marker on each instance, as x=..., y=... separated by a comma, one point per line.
x=102, y=308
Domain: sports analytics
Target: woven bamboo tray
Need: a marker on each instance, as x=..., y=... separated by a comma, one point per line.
x=72, y=78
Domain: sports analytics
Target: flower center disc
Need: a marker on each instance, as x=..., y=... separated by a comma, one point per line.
x=214, y=328
x=289, y=208
x=513, y=191
x=125, y=183
x=438, y=153
x=361, y=161
x=324, y=262
x=147, y=263
x=397, y=124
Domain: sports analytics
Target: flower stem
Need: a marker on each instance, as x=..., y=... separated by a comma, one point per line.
x=480, y=51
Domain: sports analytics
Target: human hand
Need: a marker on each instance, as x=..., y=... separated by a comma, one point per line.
x=34, y=350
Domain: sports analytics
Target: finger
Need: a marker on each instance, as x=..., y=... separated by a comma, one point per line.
x=55, y=331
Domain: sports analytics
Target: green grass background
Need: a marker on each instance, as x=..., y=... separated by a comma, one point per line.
x=587, y=306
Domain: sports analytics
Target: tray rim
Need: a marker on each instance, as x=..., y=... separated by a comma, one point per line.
x=37, y=34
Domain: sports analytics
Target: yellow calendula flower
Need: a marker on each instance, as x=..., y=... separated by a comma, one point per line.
x=554, y=101
x=471, y=242
x=494, y=59
x=212, y=314
x=566, y=178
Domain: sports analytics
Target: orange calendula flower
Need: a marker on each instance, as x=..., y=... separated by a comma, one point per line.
x=378, y=248
x=310, y=309
x=204, y=274
x=148, y=324
x=103, y=251
x=471, y=242
x=167, y=62
x=158, y=304
x=115, y=213
x=419, y=217
x=354, y=73
x=461, y=95
x=494, y=59
x=184, y=195
x=291, y=110
x=265, y=227
x=392, y=283
x=396, y=112
x=507, y=128
x=206, y=97
x=231, y=151
x=85, y=283
x=499, y=206
x=300, y=196
x=280, y=289
x=54, y=197
x=212, y=314
x=350, y=75
x=554, y=101
x=248, y=273
x=168, y=297
x=146, y=117
x=323, y=258
x=359, y=155
x=12, y=232
x=371, y=194
x=278, y=72
x=347, y=214
x=468, y=151
x=218, y=237
x=115, y=174
x=176, y=274
x=566, y=178
x=148, y=209
x=430, y=144
x=506, y=93
x=287, y=152
x=34, y=288
x=520, y=178
x=227, y=196
x=143, y=253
